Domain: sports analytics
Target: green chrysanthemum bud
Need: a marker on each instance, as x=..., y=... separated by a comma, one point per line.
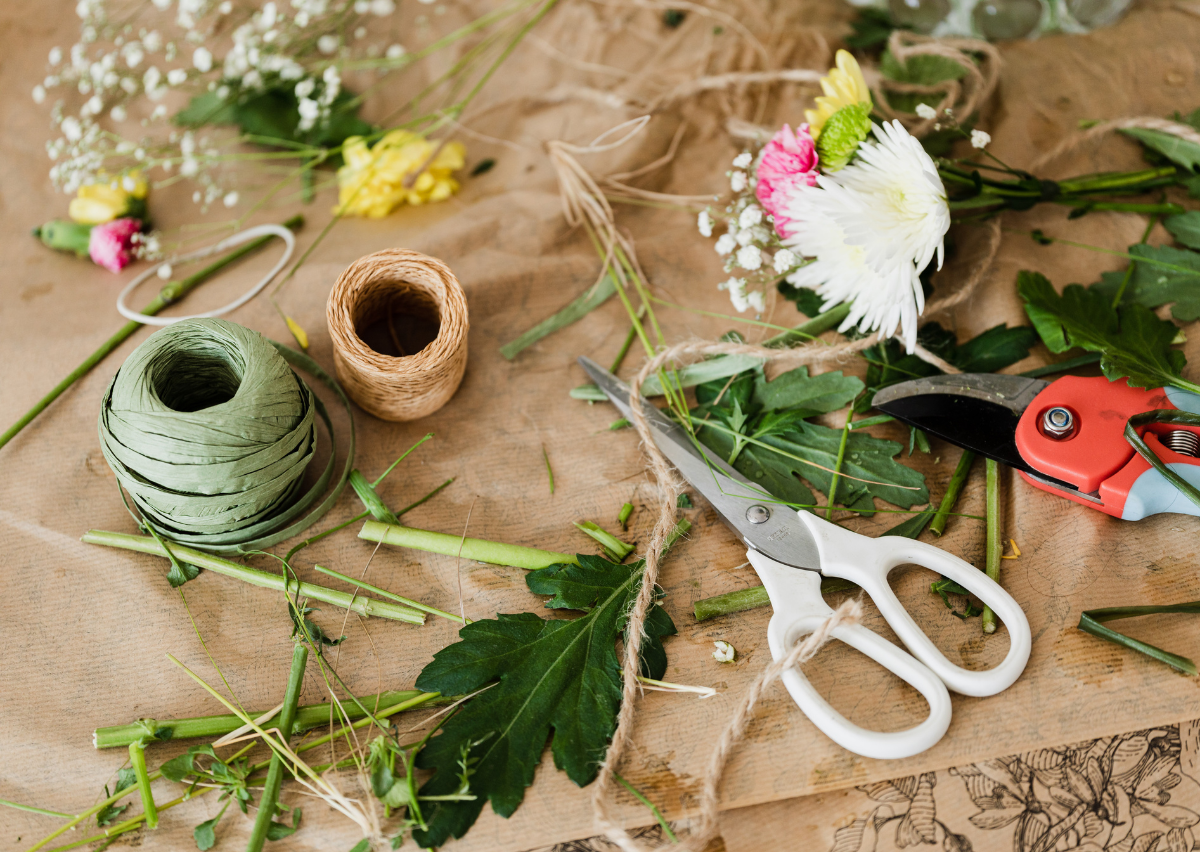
x=842, y=134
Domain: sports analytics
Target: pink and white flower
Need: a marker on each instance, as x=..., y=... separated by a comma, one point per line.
x=789, y=162
x=111, y=244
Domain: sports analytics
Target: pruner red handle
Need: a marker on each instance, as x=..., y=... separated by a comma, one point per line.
x=1074, y=431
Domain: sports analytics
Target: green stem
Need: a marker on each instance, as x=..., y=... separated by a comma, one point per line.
x=383, y=593
x=169, y=294
x=270, y=794
x=629, y=338
x=345, y=600
x=615, y=548
x=809, y=330
x=1133, y=264
x=754, y=597
x=31, y=809
x=307, y=717
x=1110, y=180
x=137, y=757
x=549, y=470
x=474, y=549
x=662, y=823
x=957, y=480
x=623, y=515
x=992, y=546
x=837, y=467
x=1121, y=206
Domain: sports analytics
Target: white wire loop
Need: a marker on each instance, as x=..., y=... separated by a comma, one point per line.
x=229, y=242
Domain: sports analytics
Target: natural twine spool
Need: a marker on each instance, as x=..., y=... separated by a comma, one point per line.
x=371, y=289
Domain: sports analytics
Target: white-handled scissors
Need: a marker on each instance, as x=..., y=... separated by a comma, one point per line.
x=792, y=551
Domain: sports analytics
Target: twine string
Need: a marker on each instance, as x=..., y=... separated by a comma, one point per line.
x=407, y=387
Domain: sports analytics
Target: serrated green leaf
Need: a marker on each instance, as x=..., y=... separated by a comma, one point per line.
x=1133, y=344
x=806, y=395
x=806, y=299
x=205, y=834
x=559, y=676
x=278, y=830
x=1185, y=228
x=779, y=466
x=1179, y=151
x=1153, y=284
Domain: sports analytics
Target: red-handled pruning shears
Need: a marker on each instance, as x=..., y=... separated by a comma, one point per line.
x=1067, y=437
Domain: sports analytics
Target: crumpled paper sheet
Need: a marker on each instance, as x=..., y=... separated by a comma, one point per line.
x=87, y=630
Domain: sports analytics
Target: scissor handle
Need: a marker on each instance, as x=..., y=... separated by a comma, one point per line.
x=799, y=610
x=868, y=561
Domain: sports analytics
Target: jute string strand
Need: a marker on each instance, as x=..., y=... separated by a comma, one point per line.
x=410, y=386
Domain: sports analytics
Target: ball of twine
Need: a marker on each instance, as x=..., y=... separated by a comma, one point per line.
x=371, y=289
x=210, y=432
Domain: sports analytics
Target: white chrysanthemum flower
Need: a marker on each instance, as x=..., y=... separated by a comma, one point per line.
x=742, y=160
x=784, y=260
x=725, y=652
x=926, y=112
x=737, y=181
x=979, y=139
x=725, y=244
x=872, y=228
x=750, y=217
x=749, y=257
x=704, y=223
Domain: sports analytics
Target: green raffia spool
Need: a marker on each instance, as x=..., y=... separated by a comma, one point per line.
x=210, y=432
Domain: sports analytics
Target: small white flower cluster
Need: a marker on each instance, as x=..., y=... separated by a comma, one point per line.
x=130, y=56
x=753, y=253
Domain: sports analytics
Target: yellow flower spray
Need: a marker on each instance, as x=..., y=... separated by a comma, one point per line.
x=402, y=167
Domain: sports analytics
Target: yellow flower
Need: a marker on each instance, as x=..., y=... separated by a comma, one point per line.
x=843, y=86
x=375, y=181
x=97, y=203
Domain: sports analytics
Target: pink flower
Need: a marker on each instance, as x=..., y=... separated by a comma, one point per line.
x=111, y=244
x=789, y=162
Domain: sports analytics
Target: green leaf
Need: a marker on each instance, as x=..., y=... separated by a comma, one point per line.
x=107, y=814
x=924, y=70
x=205, y=834
x=808, y=395
x=126, y=779
x=1185, y=228
x=780, y=464
x=806, y=299
x=278, y=830
x=371, y=500
x=943, y=588
x=275, y=114
x=554, y=679
x=871, y=28
x=913, y=527
x=179, y=768
x=363, y=845
x=1152, y=284
x=1179, y=151
x=917, y=440
x=1134, y=344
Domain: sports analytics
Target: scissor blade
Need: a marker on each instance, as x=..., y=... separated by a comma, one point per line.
x=975, y=411
x=779, y=534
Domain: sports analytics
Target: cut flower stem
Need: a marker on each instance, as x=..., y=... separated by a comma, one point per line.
x=255, y=577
